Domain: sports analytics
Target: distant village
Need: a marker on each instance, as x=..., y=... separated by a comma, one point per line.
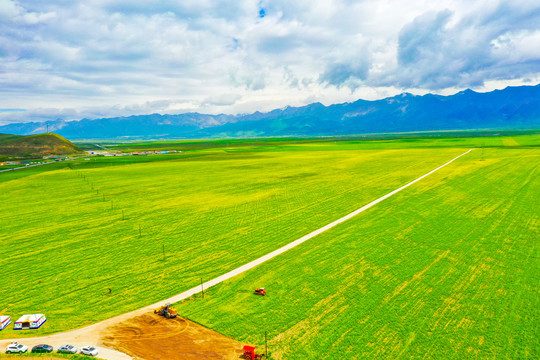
x=105, y=153
x=33, y=162
x=118, y=153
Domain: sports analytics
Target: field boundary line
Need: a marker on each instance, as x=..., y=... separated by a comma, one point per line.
x=188, y=293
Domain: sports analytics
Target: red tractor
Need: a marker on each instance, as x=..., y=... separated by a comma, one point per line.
x=260, y=291
x=249, y=353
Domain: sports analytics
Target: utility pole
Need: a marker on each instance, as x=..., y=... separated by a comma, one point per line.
x=202, y=289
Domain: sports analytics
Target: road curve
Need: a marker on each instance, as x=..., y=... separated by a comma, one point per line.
x=92, y=334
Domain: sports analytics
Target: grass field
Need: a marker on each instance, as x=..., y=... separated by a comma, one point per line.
x=424, y=139
x=445, y=269
x=205, y=212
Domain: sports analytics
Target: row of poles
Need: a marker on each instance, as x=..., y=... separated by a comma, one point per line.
x=163, y=247
x=112, y=206
x=104, y=199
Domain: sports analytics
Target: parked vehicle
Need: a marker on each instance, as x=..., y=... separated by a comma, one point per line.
x=167, y=310
x=89, y=350
x=250, y=354
x=15, y=348
x=260, y=291
x=67, y=349
x=42, y=348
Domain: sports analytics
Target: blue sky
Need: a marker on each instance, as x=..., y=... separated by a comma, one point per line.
x=68, y=59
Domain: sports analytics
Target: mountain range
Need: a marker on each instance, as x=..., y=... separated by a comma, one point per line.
x=511, y=108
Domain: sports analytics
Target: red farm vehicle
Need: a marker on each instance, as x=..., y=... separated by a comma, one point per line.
x=249, y=353
x=260, y=291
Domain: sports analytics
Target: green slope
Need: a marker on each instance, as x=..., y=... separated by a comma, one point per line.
x=6, y=137
x=36, y=145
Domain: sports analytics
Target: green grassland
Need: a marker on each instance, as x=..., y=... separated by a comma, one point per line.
x=486, y=138
x=205, y=212
x=210, y=213
x=7, y=137
x=446, y=269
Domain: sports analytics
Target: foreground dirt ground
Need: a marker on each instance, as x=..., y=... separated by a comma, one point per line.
x=153, y=337
x=144, y=335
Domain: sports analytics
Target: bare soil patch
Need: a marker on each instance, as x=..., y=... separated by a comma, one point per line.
x=151, y=337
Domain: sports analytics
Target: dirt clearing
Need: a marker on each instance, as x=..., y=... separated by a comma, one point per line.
x=153, y=337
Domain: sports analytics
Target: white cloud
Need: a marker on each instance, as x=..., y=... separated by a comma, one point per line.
x=9, y=9
x=517, y=47
x=119, y=57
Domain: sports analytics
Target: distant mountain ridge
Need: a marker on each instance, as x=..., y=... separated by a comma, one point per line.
x=510, y=108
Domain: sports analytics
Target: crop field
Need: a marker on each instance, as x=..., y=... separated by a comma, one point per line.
x=398, y=140
x=446, y=266
x=149, y=230
x=446, y=269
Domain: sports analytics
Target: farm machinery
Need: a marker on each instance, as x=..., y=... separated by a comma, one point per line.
x=167, y=311
x=260, y=291
x=249, y=353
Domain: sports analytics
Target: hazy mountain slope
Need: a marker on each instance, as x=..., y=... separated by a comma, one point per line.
x=511, y=108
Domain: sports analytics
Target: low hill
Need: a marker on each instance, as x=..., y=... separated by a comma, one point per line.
x=36, y=145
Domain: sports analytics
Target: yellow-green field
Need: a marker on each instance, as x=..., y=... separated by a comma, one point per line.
x=446, y=267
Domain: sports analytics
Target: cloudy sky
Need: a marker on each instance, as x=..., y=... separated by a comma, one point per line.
x=72, y=59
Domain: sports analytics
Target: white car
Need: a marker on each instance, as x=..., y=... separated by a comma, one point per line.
x=15, y=348
x=89, y=350
x=68, y=349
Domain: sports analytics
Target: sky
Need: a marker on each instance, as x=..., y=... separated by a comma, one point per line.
x=66, y=59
